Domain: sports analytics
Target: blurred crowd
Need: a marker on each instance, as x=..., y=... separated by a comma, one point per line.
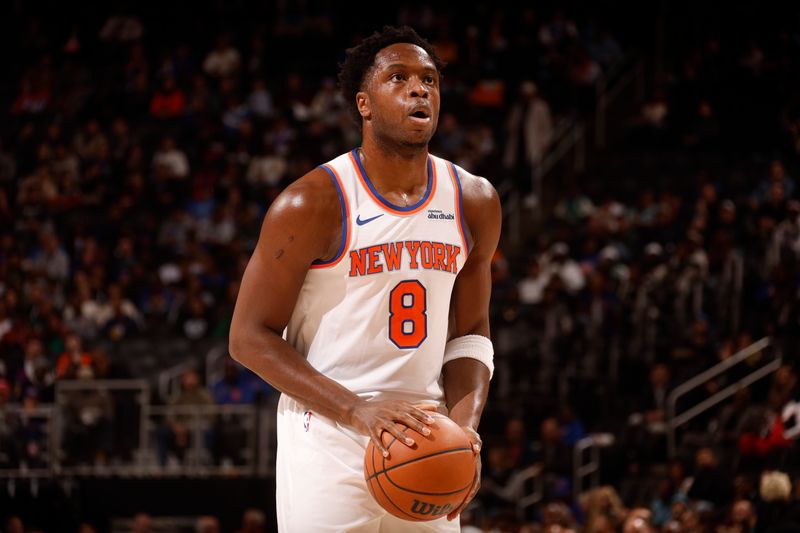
x=253, y=521
x=137, y=161
x=681, y=249
x=135, y=168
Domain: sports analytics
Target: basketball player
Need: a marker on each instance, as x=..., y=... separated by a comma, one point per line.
x=377, y=264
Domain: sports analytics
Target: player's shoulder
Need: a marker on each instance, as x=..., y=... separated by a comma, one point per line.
x=477, y=192
x=312, y=195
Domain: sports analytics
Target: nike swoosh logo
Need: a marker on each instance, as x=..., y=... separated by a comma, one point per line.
x=366, y=220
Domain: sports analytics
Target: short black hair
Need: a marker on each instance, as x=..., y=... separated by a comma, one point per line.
x=360, y=58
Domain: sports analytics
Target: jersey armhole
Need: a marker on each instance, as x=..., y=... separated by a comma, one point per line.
x=462, y=226
x=345, y=240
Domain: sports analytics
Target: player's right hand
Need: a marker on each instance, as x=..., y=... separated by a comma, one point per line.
x=374, y=417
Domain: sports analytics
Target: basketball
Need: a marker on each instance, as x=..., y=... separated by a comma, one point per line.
x=426, y=481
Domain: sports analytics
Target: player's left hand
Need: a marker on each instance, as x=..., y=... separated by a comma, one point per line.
x=475, y=439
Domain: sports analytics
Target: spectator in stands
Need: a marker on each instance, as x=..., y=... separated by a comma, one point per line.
x=497, y=483
x=704, y=129
x=174, y=438
x=238, y=386
x=711, y=483
x=531, y=287
x=14, y=524
x=779, y=513
x=328, y=103
x=32, y=434
x=559, y=263
x=5, y=321
x=88, y=431
x=259, y=101
x=518, y=447
x=742, y=517
x=120, y=316
x=603, y=510
x=648, y=422
x=40, y=385
x=224, y=60
x=253, y=521
x=556, y=516
x=571, y=427
x=195, y=322
x=777, y=176
x=575, y=207
x=783, y=388
x=639, y=521
x=169, y=101
x=662, y=505
x=169, y=162
x=235, y=114
x=558, y=30
x=207, y=524
x=727, y=427
x=49, y=259
x=73, y=359
x=605, y=49
x=142, y=523
x=554, y=457
x=9, y=451
x=122, y=28
x=530, y=129
x=651, y=125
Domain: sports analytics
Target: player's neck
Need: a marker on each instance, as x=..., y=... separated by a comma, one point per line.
x=394, y=169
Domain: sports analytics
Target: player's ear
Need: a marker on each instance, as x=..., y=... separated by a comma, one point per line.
x=363, y=105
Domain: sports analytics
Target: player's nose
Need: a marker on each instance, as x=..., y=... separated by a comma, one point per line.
x=417, y=89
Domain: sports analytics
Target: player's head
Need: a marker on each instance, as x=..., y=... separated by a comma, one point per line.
x=391, y=81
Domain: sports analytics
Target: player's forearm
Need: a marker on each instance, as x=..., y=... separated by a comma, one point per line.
x=466, y=387
x=279, y=364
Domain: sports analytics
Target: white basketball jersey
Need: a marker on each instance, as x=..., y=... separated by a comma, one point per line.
x=375, y=317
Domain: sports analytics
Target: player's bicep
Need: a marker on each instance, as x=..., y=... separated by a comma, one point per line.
x=290, y=241
x=469, y=304
x=271, y=283
x=473, y=286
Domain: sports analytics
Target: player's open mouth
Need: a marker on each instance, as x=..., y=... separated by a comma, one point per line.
x=421, y=116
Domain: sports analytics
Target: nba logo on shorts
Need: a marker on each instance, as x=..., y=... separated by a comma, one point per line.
x=306, y=420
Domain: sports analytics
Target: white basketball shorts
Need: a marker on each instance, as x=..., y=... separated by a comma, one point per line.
x=320, y=480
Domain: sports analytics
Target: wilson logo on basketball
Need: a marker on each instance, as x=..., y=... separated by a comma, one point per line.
x=425, y=508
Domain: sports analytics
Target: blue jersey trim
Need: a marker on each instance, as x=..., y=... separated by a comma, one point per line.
x=386, y=202
x=461, y=206
x=345, y=222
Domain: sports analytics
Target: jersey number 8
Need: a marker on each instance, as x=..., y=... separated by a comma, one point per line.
x=408, y=321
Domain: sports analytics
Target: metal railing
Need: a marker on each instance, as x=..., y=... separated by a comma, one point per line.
x=214, y=365
x=582, y=470
x=18, y=414
x=251, y=428
x=675, y=420
x=169, y=380
x=608, y=89
x=62, y=393
x=569, y=137
x=568, y=134
x=518, y=494
x=201, y=421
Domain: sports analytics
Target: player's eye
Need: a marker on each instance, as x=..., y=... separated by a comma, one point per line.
x=397, y=77
x=429, y=79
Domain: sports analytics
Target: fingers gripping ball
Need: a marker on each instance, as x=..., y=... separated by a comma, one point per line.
x=426, y=481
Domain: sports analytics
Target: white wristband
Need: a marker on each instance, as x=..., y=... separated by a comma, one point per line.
x=473, y=347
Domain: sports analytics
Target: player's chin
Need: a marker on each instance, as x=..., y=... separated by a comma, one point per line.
x=418, y=138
